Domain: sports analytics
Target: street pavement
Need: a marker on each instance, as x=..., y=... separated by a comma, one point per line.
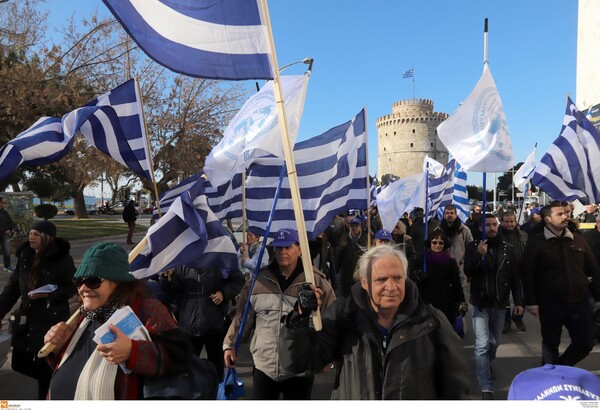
x=519, y=350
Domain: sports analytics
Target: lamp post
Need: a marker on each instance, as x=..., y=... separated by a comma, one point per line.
x=306, y=60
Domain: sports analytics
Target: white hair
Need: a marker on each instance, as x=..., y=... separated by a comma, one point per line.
x=365, y=263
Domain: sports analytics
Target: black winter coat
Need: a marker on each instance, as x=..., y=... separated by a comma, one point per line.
x=440, y=284
x=196, y=313
x=493, y=276
x=58, y=269
x=421, y=358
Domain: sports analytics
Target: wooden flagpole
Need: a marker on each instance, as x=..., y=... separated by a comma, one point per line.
x=290, y=163
x=368, y=186
x=137, y=85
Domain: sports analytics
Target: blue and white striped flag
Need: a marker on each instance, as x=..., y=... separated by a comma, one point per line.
x=441, y=189
x=224, y=200
x=408, y=73
x=332, y=176
x=461, y=196
x=200, y=38
x=373, y=191
x=570, y=169
x=522, y=176
x=41, y=144
x=118, y=128
x=112, y=123
x=188, y=234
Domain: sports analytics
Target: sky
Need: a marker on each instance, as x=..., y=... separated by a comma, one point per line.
x=362, y=48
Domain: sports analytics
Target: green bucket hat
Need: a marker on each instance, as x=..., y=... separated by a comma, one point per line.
x=105, y=260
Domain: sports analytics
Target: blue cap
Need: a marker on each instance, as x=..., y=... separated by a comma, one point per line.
x=554, y=382
x=285, y=237
x=536, y=211
x=254, y=231
x=355, y=221
x=383, y=235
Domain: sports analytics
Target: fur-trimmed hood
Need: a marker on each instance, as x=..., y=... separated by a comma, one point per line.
x=59, y=249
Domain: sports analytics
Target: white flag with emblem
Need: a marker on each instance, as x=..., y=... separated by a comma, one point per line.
x=254, y=131
x=477, y=133
x=400, y=196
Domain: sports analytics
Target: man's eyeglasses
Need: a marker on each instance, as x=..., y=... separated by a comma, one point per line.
x=437, y=242
x=93, y=282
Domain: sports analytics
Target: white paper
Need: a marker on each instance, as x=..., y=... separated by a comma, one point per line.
x=49, y=288
x=127, y=321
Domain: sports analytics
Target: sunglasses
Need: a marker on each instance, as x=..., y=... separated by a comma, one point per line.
x=92, y=282
x=437, y=242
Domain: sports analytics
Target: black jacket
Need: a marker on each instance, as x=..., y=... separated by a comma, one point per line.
x=423, y=359
x=439, y=284
x=493, y=276
x=196, y=313
x=58, y=269
x=557, y=269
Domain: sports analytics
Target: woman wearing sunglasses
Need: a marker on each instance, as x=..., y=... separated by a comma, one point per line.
x=43, y=281
x=439, y=280
x=85, y=370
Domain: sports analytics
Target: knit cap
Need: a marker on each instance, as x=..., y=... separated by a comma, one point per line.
x=105, y=260
x=45, y=227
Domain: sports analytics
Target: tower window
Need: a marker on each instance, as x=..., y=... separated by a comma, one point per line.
x=411, y=144
x=432, y=145
x=413, y=130
x=394, y=132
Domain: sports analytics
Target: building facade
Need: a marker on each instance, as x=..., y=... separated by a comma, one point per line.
x=407, y=135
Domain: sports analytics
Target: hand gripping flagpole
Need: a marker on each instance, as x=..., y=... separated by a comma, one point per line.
x=290, y=164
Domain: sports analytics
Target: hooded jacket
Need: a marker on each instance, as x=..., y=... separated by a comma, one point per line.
x=421, y=358
x=57, y=268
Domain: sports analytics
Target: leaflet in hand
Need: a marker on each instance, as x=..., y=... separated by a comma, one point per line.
x=49, y=288
x=127, y=321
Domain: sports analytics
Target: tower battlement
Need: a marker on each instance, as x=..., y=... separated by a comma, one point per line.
x=407, y=135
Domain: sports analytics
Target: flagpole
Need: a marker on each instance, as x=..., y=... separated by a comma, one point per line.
x=426, y=216
x=244, y=234
x=139, y=91
x=290, y=164
x=413, y=77
x=368, y=185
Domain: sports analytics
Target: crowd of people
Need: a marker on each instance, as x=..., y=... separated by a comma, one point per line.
x=393, y=306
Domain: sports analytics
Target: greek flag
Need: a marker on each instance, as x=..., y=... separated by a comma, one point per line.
x=200, y=38
x=570, y=168
x=408, y=74
x=225, y=200
x=254, y=131
x=112, y=123
x=522, y=176
x=332, y=176
x=373, y=191
x=441, y=189
x=477, y=134
x=115, y=125
x=187, y=234
x=460, y=198
x=41, y=144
